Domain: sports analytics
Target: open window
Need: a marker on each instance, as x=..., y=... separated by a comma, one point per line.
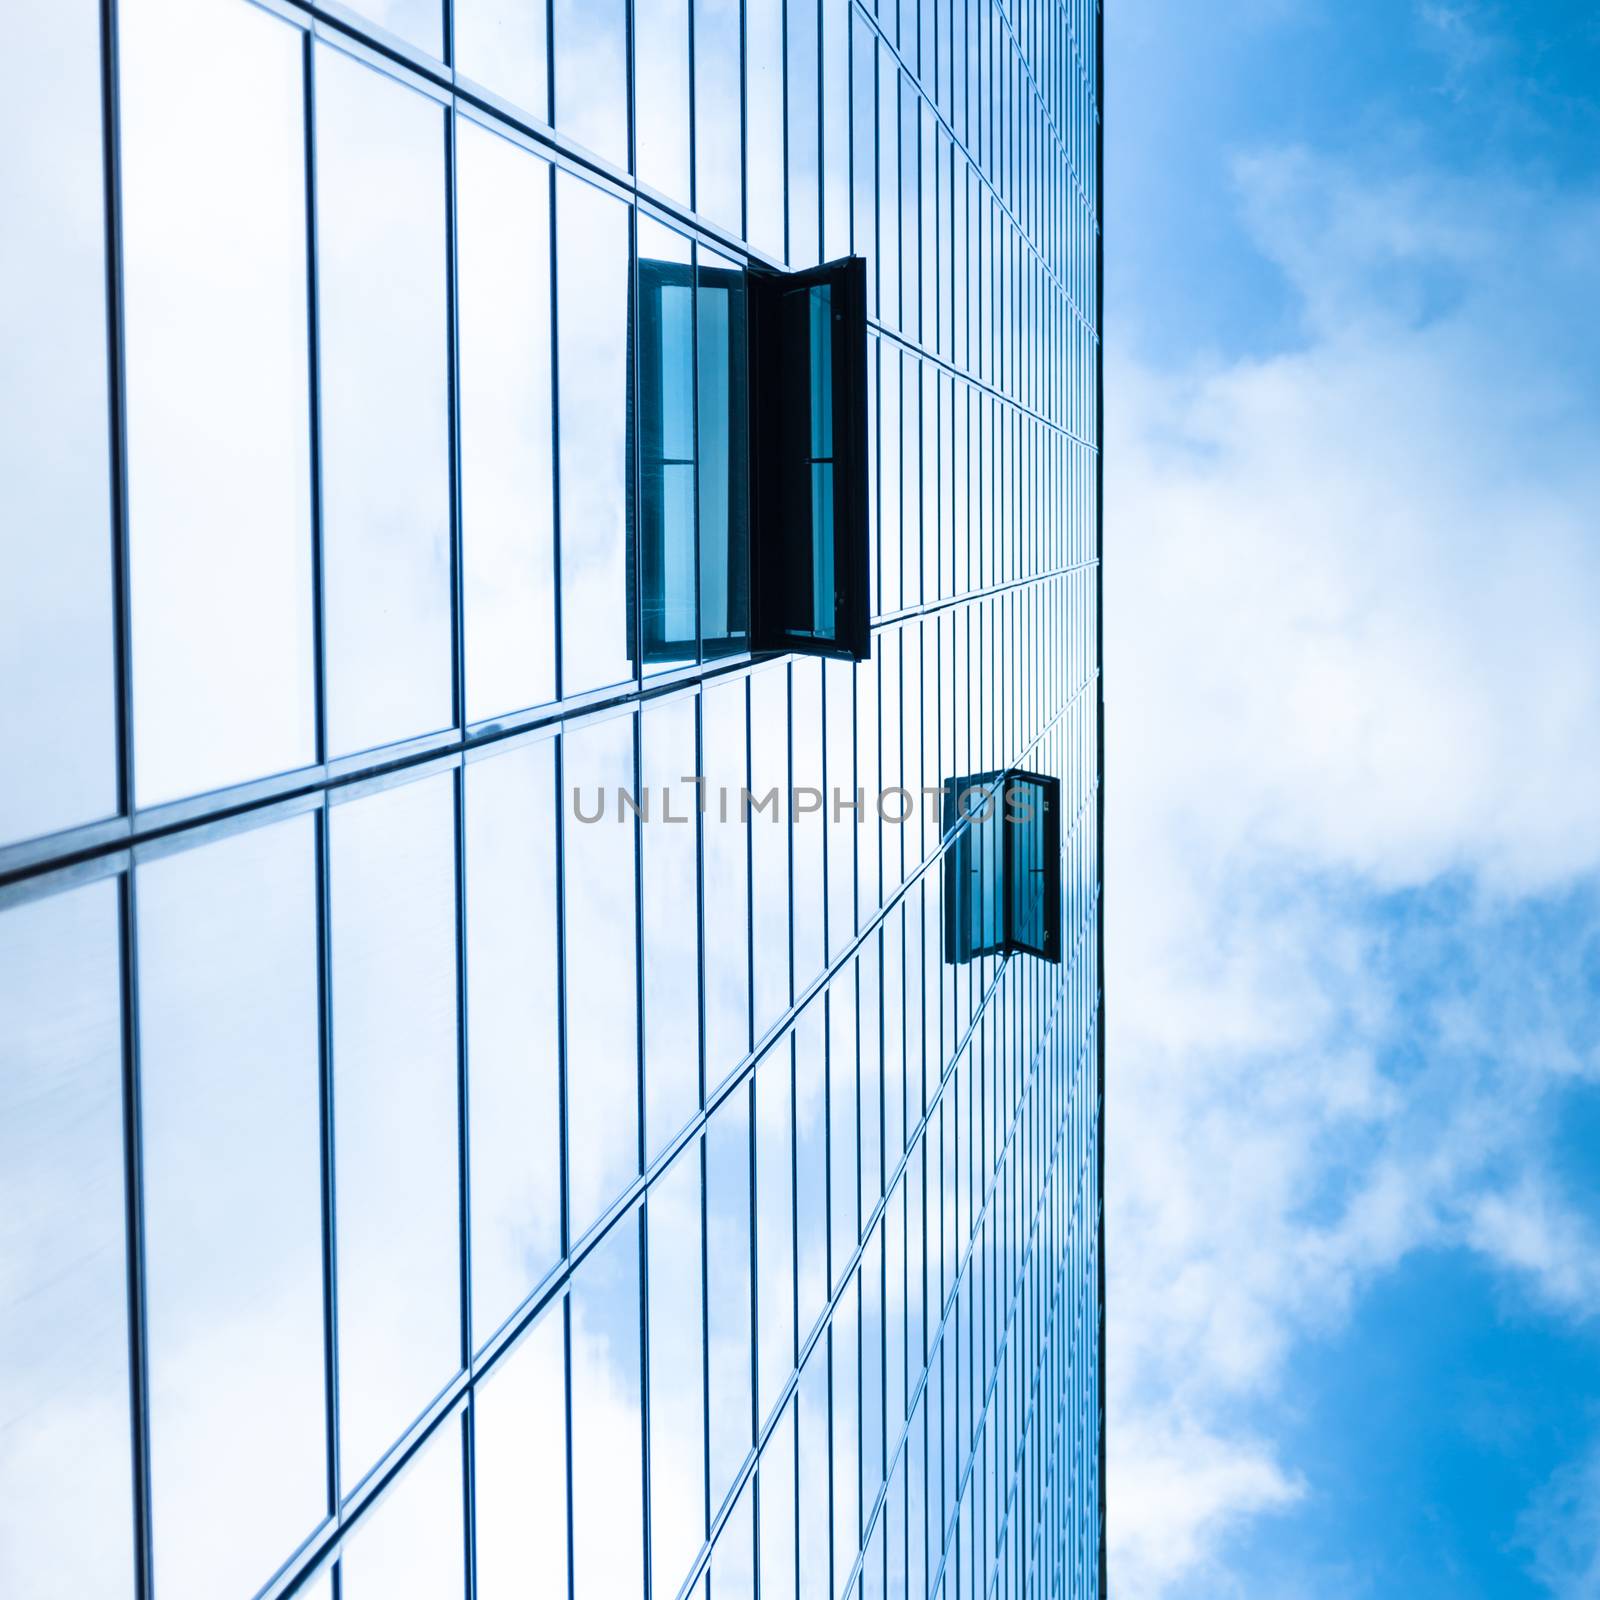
x=808, y=360
x=1002, y=888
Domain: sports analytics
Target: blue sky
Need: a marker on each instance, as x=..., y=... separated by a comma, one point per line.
x=1353, y=700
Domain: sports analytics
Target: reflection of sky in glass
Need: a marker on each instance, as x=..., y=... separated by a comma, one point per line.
x=591, y=67
x=413, y=1541
x=717, y=132
x=661, y=95
x=502, y=43
x=56, y=740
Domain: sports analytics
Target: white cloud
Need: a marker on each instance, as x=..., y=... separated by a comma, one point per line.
x=1561, y=1531
x=1350, y=655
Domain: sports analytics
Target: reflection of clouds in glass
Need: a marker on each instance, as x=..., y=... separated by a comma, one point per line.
x=811, y=1165
x=602, y=1038
x=419, y=22
x=592, y=309
x=776, y=1487
x=501, y=43
x=412, y=1542
x=842, y=1104
x=65, y=1530
x=55, y=600
x=507, y=516
x=727, y=869
x=774, y=1226
x=381, y=288
x=672, y=968
x=230, y=1112
x=763, y=47
x=677, y=1391
x=811, y=1411
x=769, y=843
x=520, y=1467
x=592, y=76
x=733, y=1561
x=607, y=1469
x=809, y=825
x=846, y=1446
x=513, y=1048
x=218, y=435
x=728, y=1288
x=717, y=131
x=836, y=129
x=661, y=94
x=392, y=894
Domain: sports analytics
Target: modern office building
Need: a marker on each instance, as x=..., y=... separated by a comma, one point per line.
x=549, y=800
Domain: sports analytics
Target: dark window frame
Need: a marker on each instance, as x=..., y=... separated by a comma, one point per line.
x=973, y=827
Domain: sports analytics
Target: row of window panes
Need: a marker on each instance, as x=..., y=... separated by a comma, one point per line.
x=231, y=1112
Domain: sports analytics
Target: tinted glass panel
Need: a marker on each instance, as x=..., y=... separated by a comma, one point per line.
x=418, y=22
x=592, y=267
x=592, y=75
x=661, y=94
x=65, y=1527
x=507, y=513
x=774, y=1226
x=763, y=57
x=412, y=1541
x=386, y=483
x=230, y=1108
x=718, y=140
x=56, y=740
x=722, y=342
x=728, y=1289
x=392, y=894
x=513, y=1039
x=218, y=432
x=502, y=44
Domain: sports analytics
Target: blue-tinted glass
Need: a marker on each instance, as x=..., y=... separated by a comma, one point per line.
x=846, y=1454
x=513, y=1040
x=385, y=421
x=802, y=188
x=774, y=1226
x=671, y=924
x=763, y=65
x=507, y=513
x=412, y=1541
x=65, y=1509
x=809, y=819
x=723, y=430
x=733, y=1563
x=836, y=130
x=592, y=301
x=864, y=158
x=811, y=1165
x=769, y=842
x=776, y=1490
x=888, y=192
x=727, y=877
x=677, y=1366
x=502, y=44
x=811, y=1416
x=607, y=1465
x=728, y=1289
x=392, y=898
x=591, y=72
x=718, y=135
x=843, y=1104
x=520, y=1467
x=418, y=22
x=219, y=498
x=228, y=974
x=661, y=95
x=602, y=1007
x=58, y=762
x=872, y=1391
x=841, y=822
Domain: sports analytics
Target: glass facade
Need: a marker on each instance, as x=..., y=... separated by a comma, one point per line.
x=491, y=1103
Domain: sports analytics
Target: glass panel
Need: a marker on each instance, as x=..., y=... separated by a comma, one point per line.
x=763, y=64
x=806, y=346
x=677, y=1364
x=804, y=219
x=728, y=1288
x=513, y=1040
x=843, y=1157
x=607, y=1469
x=231, y=1115
x=661, y=94
x=769, y=843
x=671, y=922
x=776, y=1488
x=507, y=516
x=55, y=584
x=392, y=895
x=412, y=1541
x=602, y=1005
x=385, y=422
x=724, y=421
x=591, y=68
x=592, y=290
x=774, y=1227
x=1024, y=816
x=733, y=1562
x=718, y=136
x=846, y=1445
x=811, y=1412
x=835, y=123
x=520, y=1467
x=65, y=1488
x=218, y=435
x=418, y=22
x=502, y=44
x=726, y=878
x=811, y=1166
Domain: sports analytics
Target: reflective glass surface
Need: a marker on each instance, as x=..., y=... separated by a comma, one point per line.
x=57, y=741
x=661, y=94
x=502, y=44
x=591, y=74
x=385, y=417
x=718, y=133
x=219, y=492
x=413, y=1542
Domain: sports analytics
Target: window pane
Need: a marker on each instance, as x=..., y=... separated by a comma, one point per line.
x=727, y=879
x=728, y=1288
x=671, y=955
x=607, y=1470
x=394, y=1087
x=386, y=483
x=763, y=45
x=218, y=436
x=520, y=1467
x=804, y=219
x=592, y=289
x=55, y=584
x=661, y=94
x=230, y=1109
x=776, y=1487
x=811, y=1166
x=412, y=1541
x=507, y=521
x=513, y=1044
x=769, y=842
x=418, y=22
x=501, y=43
x=602, y=1036
x=811, y=1412
x=677, y=1364
x=592, y=75
x=733, y=1562
x=65, y=1489
x=724, y=421
x=718, y=136
x=774, y=1226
